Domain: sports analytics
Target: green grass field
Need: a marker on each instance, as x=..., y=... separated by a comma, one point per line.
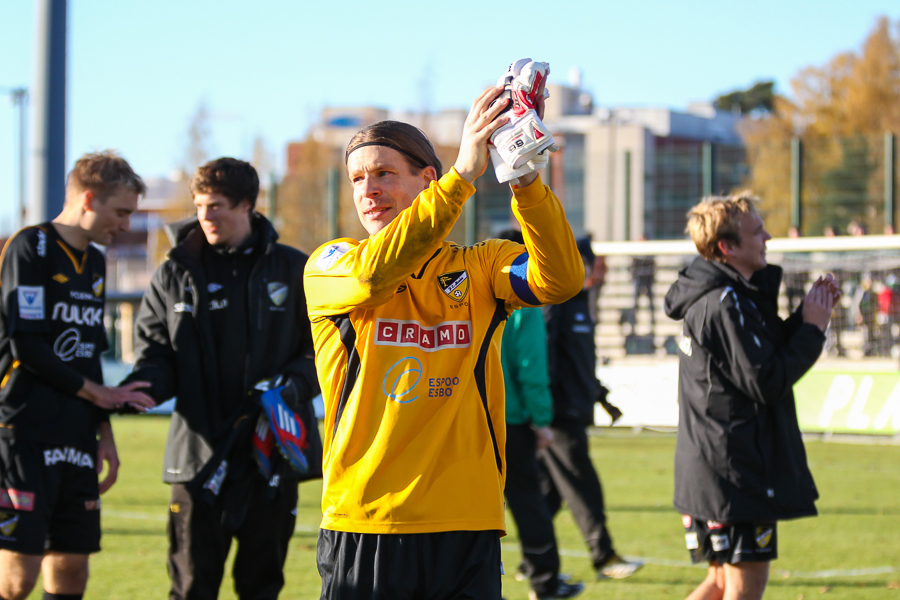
x=852, y=550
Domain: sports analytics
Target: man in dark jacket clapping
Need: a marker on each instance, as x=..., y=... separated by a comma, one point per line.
x=740, y=464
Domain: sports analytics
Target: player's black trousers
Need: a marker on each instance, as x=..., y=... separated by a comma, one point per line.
x=200, y=535
x=568, y=474
x=540, y=556
x=447, y=565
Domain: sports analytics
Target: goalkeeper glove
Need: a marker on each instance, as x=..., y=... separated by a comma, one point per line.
x=516, y=145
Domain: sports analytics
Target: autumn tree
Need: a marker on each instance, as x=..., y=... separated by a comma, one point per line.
x=840, y=111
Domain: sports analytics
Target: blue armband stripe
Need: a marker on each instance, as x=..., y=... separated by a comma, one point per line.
x=518, y=278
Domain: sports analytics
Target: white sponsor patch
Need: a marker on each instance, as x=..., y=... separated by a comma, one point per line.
x=690, y=539
x=31, y=302
x=720, y=542
x=331, y=255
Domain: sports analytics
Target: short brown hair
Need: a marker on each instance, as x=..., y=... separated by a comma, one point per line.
x=235, y=179
x=718, y=218
x=406, y=139
x=103, y=173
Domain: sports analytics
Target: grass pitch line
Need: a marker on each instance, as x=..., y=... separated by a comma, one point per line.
x=783, y=573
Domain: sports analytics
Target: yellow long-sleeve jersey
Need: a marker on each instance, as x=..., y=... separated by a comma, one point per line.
x=407, y=331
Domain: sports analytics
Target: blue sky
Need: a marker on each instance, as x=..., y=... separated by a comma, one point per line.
x=139, y=70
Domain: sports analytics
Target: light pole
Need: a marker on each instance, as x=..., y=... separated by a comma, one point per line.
x=19, y=99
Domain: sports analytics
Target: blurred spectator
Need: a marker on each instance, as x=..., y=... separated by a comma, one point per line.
x=865, y=312
x=839, y=321
x=885, y=321
x=643, y=272
x=597, y=276
x=529, y=411
x=568, y=473
x=795, y=275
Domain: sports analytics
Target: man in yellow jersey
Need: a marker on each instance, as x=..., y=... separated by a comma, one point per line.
x=407, y=330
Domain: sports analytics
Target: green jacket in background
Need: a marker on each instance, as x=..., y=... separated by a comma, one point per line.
x=524, y=360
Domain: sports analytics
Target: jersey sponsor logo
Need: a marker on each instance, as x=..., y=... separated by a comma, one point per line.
x=183, y=307
x=69, y=345
x=17, y=499
x=686, y=345
x=60, y=278
x=331, y=255
x=218, y=304
x=97, y=286
x=79, y=295
x=42, y=243
x=31, y=302
x=401, y=379
x=214, y=483
x=714, y=525
x=763, y=536
x=8, y=522
x=691, y=540
x=92, y=316
x=68, y=455
x=277, y=292
x=449, y=334
x=454, y=284
x=720, y=542
x=214, y=287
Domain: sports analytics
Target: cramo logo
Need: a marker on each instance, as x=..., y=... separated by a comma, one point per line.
x=449, y=334
x=80, y=315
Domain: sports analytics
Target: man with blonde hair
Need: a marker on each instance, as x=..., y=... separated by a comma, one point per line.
x=55, y=433
x=740, y=464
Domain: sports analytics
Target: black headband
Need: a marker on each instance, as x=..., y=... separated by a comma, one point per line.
x=418, y=162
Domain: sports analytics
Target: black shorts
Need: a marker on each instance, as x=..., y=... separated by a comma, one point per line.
x=446, y=565
x=49, y=498
x=709, y=541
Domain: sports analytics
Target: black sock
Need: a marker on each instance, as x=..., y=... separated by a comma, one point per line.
x=49, y=596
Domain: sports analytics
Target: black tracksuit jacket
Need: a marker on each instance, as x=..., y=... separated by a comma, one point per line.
x=571, y=360
x=739, y=455
x=177, y=355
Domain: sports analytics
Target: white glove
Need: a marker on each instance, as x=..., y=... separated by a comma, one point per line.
x=520, y=141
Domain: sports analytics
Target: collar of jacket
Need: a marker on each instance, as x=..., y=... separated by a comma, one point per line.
x=703, y=276
x=187, y=237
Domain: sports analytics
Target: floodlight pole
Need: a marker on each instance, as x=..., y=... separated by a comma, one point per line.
x=49, y=131
x=19, y=98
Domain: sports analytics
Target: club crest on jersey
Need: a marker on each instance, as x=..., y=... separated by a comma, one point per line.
x=763, y=536
x=60, y=278
x=277, y=292
x=455, y=284
x=97, y=286
x=8, y=522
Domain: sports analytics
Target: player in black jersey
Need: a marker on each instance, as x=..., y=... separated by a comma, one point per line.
x=54, y=426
